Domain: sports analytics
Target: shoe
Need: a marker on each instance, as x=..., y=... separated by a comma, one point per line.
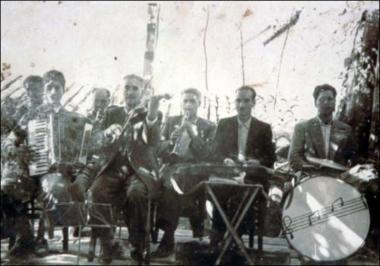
x=166, y=247
x=41, y=247
x=199, y=233
x=163, y=251
x=113, y=251
x=85, y=232
x=22, y=249
x=137, y=255
x=215, y=238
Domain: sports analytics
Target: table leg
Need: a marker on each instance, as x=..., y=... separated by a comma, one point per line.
x=240, y=219
x=237, y=224
x=230, y=228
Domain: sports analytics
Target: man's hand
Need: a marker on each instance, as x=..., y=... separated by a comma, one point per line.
x=229, y=162
x=189, y=127
x=154, y=103
x=252, y=162
x=23, y=153
x=176, y=134
x=112, y=133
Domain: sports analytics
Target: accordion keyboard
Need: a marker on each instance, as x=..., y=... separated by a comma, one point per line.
x=38, y=140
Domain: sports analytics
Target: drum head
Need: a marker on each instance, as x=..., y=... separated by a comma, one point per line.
x=325, y=219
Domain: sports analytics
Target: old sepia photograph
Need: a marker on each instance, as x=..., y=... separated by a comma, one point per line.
x=190, y=133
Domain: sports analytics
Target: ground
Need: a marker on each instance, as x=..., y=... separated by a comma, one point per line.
x=277, y=251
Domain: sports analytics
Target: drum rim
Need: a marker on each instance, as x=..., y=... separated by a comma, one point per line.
x=293, y=247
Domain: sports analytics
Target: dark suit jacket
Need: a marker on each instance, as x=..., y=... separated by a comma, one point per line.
x=136, y=147
x=200, y=146
x=259, y=141
x=308, y=141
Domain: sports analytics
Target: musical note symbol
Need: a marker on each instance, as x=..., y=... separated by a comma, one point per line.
x=333, y=204
x=364, y=201
x=287, y=221
x=311, y=216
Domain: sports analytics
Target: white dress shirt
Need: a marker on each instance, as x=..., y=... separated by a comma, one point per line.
x=326, y=133
x=243, y=130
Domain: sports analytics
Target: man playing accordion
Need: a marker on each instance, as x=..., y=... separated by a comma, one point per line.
x=186, y=140
x=53, y=139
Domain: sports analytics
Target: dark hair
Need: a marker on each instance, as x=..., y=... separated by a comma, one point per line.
x=55, y=75
x=194, y=91
x=133, y=76
x=96, y=90
x=321, y=88
x=32, y=79
x=248, y=88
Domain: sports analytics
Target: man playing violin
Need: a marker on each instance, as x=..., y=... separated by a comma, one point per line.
x=129, y=135
x=186, y=140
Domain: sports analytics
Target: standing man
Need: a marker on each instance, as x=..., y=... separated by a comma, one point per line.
x=34, y=86
x=17, y=187
x=322, y=136
x=186, y=140
x=242, y=138
x=130, y=176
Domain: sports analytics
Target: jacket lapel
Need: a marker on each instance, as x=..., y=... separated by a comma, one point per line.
x=252, y=133
x=337, y=139
x=317, y=138
x=333, y=145
x=234, y=136
x=176, y=123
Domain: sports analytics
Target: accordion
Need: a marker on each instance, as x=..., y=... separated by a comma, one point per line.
x=58, y=138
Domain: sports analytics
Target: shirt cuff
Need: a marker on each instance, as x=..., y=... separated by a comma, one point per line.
x=150, y=123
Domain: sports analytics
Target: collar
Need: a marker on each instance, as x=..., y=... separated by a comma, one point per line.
x=245, y=124
x=323, y=123
x=139, y=108
x=194, y=121
x=57, y=108
x=52, y=108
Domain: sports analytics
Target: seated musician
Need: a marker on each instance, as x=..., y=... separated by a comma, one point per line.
x=16, y=186
x=241, y=139
x=322, y=137
x=186, y=140
x=101, y=101
x=66, y=134
x=129, y=134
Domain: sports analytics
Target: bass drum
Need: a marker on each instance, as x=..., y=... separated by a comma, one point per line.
x=325, y=219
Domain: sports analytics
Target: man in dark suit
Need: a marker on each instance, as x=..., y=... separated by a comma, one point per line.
x=17, y=187
x=101, y=100
x=186, y=140
x=54, y=185
x=322, y=136
x=245, y=139
x=129, y=177
x=34, y=86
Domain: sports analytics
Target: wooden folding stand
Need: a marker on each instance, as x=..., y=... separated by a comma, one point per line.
x=249, y=196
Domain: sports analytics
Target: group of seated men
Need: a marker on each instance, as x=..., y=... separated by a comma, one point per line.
x=134, y=155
